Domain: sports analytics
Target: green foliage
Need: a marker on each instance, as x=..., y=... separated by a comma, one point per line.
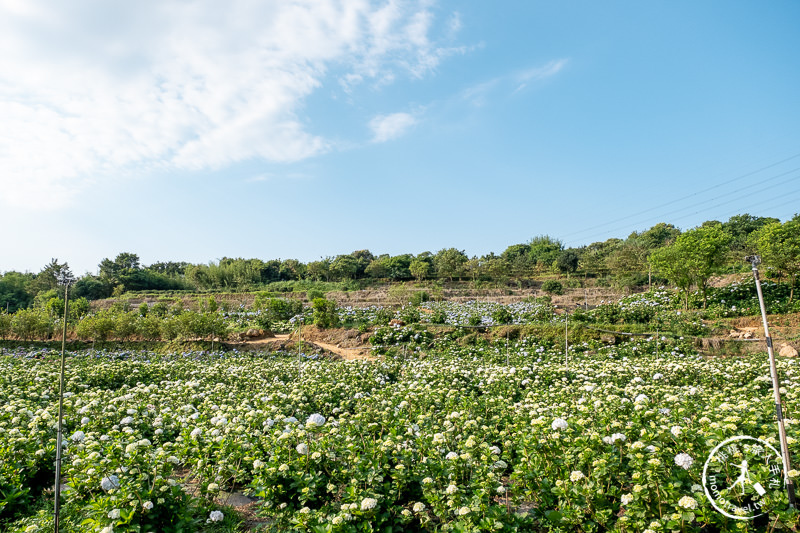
x=450, y=263
x=502, y=316
x=55, y=307
x=567, y=261
x=275, y=309
x=313, y=294
x=552, y=286
x=98, y=327
x=418, y=297
x=421, y=269
x=159, y=309
x=324, y=313
x=13, y=292
x=91, y=288
x=28, y=324
x=409, y=315
x=692, y=258
x=5, y=325
x=79, y=308
x=544, y=250
x=779, y=246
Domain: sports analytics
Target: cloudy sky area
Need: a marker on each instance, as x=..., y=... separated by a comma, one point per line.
x=190, y=131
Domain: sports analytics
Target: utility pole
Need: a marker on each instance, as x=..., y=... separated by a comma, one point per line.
x=59, y=433
x=755, y=260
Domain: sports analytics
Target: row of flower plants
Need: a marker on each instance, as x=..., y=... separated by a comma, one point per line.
x=505, y=436
x=660, y=308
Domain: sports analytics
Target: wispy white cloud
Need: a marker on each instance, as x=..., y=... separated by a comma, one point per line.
x=387, y=127
x=481, y=93
x=92, y=89
x=538, y=73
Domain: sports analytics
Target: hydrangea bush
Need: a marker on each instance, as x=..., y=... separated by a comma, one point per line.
x=490, y=437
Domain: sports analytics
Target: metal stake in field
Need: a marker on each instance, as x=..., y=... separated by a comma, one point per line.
x=300, y=348
x=566, y=339
x=754, y=261
x=60, y=430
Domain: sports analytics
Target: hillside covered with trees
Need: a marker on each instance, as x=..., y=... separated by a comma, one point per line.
x=660, y=254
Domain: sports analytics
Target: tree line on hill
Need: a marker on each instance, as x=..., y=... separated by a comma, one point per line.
x=662, y=253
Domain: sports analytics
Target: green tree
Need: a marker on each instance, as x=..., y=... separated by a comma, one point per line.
x=98, y=327
x=78, y=308
x=420, y=269
x=544, y=250
x=292, y=269
x=659, y=235
x=450, y=263
x=124, y=271
x=517, y=259
x=324, y=313
x=29, y=324
x=91, y=288
x=398, y=267
x=363, y=258
x=319, y=270
x=593, y=259
x=567, y=261
x=378, y=268
x=345, y=267
x=13, y=291
x=5, y=325
x=54, y=275
x=693, y=258
x=779, y=246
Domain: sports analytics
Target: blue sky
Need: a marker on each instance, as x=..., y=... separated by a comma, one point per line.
x=191, y=131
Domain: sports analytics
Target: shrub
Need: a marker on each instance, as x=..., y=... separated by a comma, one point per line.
x=5, y=325
x=418, y=297
x=313, y=294
x=502, y=316
x=159, y=309
x=553, y=286
x=325, y=315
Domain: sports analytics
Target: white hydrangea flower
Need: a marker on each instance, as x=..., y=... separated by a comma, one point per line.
x=216, y=516
x=109, y=482
x=419, y=507
x=452, y=456
x=687, y=502
x=315, y=420
x=676, y=431
x=576, y=475
x=559, y=423
x=684, y=460
x=626, y=498
x=368, y=503
x=302, y=448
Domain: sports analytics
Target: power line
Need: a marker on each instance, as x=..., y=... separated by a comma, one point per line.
x=721, y=184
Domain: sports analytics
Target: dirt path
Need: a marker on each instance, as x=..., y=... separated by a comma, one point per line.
x=360, y=352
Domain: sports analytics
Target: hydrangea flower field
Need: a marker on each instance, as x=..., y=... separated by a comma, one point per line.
x=494, y=436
